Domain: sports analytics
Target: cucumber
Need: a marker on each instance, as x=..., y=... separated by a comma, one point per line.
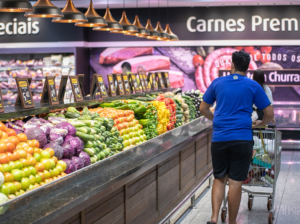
x=89, y=151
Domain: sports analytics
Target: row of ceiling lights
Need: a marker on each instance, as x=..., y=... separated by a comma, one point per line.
x=45, y=9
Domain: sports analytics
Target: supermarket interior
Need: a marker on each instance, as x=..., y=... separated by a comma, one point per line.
x=100, y=116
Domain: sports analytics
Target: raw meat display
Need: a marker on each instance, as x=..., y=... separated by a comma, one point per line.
x=115, y=55
x=153, y=62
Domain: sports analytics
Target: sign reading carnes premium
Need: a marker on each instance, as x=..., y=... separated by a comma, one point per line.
x=287, y=77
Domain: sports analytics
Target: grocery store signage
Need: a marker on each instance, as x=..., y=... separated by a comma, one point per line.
x=16, y=27
x=143, y=85
x=101, y=86
x=111, y=85
x=287, y=77
x=160, y=81
x=120, y=84
x=49, y=94
x=24, y=97
x=126, y=84
x=167, y=80
x=134, y=83
x=76, y=88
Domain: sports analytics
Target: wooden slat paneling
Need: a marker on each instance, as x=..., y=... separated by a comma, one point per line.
x=113, y=216
x=165, y=167
x=77, y=221
x=72, y=219
x=168, y=194
x=120, y=220
x=168, y=184
x=168, y=175
x=148, y=212
x=187, y=152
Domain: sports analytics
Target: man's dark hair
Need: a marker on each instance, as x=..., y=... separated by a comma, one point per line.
x=259, y=77
x=241, y=61
x=127, y=66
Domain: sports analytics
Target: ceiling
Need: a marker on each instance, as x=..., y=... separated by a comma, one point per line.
x=172, y=3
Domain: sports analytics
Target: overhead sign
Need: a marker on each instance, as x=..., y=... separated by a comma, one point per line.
x=287, y=77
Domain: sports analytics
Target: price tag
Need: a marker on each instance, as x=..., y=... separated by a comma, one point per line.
x=81, y=81
x=49, y=94
x=1, y=103
x=142, y=81
x=102, y=86
x=120, y=84
x=111, y=85
x=76, y=88
x=152, y=78
x=62, y=87
x=126, y=84
x=147, y=83
x=24, y=97
x=161, y=83
x=167, y=80
x=134, y=84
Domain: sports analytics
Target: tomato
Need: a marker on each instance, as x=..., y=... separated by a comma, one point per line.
x=117, y=121
x=39, y=167
x=10, y=132
x=2, y=127
x=14, y=139
x=31, y=161
x=197, y=60
x=266, y=49
x=24, y=162
x=248, y=49
x=4, y=136
x=4, y=158
x=51, y=151
x=30, y=143
x=29, y=150
x=256, y=55
x=239, y=48
x=3, y=147
x=22, y=137
x=125, y=125
x=22, y=153
x=265, y=58
x=15, y=156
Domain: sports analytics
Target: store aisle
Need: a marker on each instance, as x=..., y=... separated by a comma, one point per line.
x=286, y=202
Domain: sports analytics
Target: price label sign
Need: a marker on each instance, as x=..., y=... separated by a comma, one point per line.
x=76, y=88
x=24, y=93
x=111, y=85
x=160, y=81
x=1, y=103
x=62, y=87
x=134, y=83
x=152, y=77
x=49, y=92
x=167, y=80
x=120, y=85
x=147, y=83
x=126, y=84
x=142, y=81
x=102, y=86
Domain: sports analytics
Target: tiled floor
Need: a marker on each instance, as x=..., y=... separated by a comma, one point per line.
x=287, y=199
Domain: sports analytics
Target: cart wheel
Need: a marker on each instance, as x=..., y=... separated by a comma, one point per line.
x=224, y=214
x=270, y=218
x=269, y=205
x=250, y=202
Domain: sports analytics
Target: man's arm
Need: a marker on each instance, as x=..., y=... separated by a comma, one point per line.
x=205, y=110
x=268, y=117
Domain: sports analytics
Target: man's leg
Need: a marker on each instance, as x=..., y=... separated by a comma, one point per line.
x=218, y=192
x=234, y=199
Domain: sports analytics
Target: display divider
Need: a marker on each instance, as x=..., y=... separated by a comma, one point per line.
x=49, y=94
x=81, y=81
x=62, y=87
x=76, y=88
x=111, y=85
x=24, y=97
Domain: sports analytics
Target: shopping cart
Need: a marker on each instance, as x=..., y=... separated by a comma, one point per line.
x=264, y=169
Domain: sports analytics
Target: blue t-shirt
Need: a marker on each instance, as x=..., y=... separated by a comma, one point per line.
x=235, y=94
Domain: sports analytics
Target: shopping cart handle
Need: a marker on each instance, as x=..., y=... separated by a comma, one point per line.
x=272, y=126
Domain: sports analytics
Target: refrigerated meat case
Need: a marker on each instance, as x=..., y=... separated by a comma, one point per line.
x=140, y=185
x=287, y=115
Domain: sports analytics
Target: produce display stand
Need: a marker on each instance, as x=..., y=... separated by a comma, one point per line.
x=139, y=185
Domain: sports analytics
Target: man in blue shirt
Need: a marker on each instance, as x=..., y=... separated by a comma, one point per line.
x=232, y=141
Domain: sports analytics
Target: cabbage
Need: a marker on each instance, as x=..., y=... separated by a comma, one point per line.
x=58, y=150
x=57, y=120
x=34, y=120
x=19, y=123
x=85, y=158
x=76, y=143
x=46, y=129
x=3, y=199
x=56, y=138
x=31, y=125
x=70, y=128
x=72, y=168
x=43, y=120
x=38, y=134
x=68, y=150
x=13, y=126
x=60, y=131
x=80, y=145
x=77, y=162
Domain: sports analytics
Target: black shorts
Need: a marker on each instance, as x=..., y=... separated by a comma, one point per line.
x=231, y=158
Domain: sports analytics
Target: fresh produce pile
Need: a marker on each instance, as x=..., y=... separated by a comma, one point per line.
x=163, y=115
x=171, y=106
x=24, y=165
x=195, y=95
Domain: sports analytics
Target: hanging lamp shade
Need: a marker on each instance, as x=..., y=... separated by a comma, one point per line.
x=127, y=26
x=163, y=35
x=173, y=37
x=154, y=35
x=44, y=9
x=94, y=19
x=112, y=24
x=71, y=14
x=142, y=31
x=15, y=6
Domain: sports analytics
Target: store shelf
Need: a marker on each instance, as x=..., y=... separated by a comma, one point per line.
x=33, y=67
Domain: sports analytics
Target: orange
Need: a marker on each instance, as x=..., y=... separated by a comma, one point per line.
x=10, y=132
x=39, y=167
x=4, y=136
x=14, y=140
x=2, y=127
x=24, y=162
x=10, y=146
x=3, y=147
x=36, y=143
x=51, y=151
x=4, y=158
x=8, y=177
x=31, y=161
x=22, y=137
x=22, y=153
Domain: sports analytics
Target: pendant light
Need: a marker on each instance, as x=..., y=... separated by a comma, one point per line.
x=163, y=35
x=15, y=6
x=94, y=19
x=127, y=26
x=154, y=35
x=71, y=14
x=173, y=37
x=112, y=24
x=142, y=31
x=44, y=9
